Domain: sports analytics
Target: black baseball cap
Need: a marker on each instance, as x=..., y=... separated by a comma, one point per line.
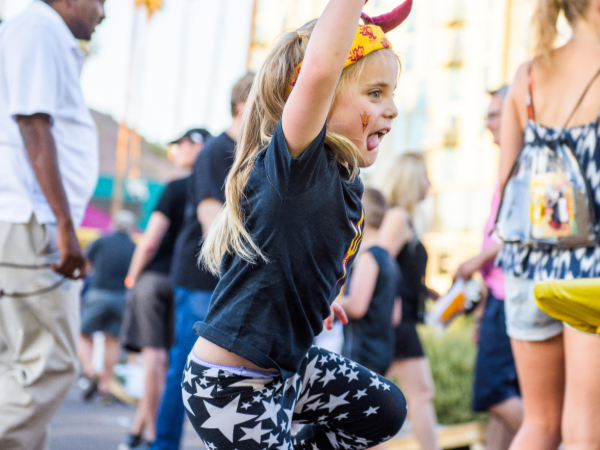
x=196, y=135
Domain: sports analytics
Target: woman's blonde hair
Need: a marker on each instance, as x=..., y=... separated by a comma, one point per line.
x=269, y=93
x=545, y=17
x=404, y=181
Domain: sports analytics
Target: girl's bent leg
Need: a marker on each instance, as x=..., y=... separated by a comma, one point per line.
x=344, y=406
x=347, y=405
x=540, y=367
x=582, y=397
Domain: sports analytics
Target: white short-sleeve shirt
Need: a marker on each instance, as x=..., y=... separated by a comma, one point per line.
x=40, y=66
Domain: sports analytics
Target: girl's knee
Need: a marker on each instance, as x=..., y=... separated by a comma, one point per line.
x=393, y=411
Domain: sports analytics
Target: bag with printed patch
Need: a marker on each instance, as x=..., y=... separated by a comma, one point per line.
x=546, y=202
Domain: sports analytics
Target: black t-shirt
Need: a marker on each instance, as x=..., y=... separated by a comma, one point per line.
x=307, y=218
x=207, y=180
x=370, y=340
x=172, y=205
x=412, y=261
x=110, y=256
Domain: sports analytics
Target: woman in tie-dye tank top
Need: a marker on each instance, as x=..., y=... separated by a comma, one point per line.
x=557, y=368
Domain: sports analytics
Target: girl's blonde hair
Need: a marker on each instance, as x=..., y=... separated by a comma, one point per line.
x=544, y=21
x=269, y=93
x=404, y=181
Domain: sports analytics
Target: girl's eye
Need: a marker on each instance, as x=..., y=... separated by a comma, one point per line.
x=375, y=94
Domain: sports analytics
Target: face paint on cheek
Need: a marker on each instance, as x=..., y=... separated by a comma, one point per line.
x=365, y=120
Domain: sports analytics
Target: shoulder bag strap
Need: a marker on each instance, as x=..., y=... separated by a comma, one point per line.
x=582, y=97
x=530, y=111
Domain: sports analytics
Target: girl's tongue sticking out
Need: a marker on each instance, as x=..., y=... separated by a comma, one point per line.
x=373, y=140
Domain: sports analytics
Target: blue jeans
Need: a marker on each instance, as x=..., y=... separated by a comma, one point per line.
x=190, y=307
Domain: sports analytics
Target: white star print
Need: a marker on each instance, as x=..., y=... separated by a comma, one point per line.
x=245, y=406
x=188, y=376
x=226, y=418
x=254, y=433
x=283, y=446
x=342, y=416
x=268, y=392
x=271, y=410
x=289, y=413
x=313, y=406
x=305, y=399
x=362, y=441
x=323, y=360
x=335, y=401
x=329, y=375
x=257, y=399
x=333, y=439
x=277, y=386
x=186, y=401
x=376, y=382
x=311, y=374
x=352, y=375
x=343, y=369
x=346, y=446
x=272, y=440
x=211, y=446
x=211, y=373
x=203, y=392
x=371, y=410
x=203, y=382
x=333, y=357
x=352, y=364
x=386, y=387
x=257, y=384
x=360, y=394
x=314, y=446
x=291, y=382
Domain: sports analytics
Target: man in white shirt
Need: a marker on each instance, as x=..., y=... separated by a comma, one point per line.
x=48, y=173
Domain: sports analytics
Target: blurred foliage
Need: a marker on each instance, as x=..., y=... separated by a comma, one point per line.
x=452, y=359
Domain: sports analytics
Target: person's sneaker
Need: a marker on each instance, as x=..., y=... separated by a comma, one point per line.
x=90, y=389
x=134, y=443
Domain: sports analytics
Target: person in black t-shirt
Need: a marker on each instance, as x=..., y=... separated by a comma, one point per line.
x=369, y=303
x=148, y=323
x=102, y=310
x=193, y=286
x=285, y=241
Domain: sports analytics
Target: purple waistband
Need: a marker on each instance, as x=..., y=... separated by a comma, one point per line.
x=241, y=371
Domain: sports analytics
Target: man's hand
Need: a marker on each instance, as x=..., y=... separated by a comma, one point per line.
x=72, y=260
x=336, y=311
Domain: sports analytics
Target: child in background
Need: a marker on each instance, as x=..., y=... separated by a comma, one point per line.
x=285, y=241
x=369, y=335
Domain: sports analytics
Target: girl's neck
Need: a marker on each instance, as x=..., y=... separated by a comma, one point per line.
x=585, y=31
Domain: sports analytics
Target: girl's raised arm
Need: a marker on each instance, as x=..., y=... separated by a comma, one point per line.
x=307, y=108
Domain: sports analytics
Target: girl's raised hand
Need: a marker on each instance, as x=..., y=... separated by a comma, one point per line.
x=336, y=311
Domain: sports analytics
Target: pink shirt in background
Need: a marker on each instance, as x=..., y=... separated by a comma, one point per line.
x=492, y=275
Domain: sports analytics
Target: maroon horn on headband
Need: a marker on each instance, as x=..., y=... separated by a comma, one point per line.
x=390, y=21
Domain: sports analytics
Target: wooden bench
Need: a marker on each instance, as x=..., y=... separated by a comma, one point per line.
x=470, y=435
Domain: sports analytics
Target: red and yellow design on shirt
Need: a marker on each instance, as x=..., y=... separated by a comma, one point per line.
x=354, y=245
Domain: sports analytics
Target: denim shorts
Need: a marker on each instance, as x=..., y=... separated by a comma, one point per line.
x=525, y=321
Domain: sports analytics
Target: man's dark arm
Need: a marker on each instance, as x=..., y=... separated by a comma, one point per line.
x=41, y=150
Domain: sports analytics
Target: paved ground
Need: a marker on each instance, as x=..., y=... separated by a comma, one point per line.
x=93, y=426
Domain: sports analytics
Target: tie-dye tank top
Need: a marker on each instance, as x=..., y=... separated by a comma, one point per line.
x=523, y=261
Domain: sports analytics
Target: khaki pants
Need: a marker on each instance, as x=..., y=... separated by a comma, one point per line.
x=38, y=336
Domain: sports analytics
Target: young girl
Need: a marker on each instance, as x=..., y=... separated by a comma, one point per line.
x=285, y=241
x=548, y=103
x=407, y=186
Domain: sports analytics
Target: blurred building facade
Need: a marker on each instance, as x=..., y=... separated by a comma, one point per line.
x=453, y=52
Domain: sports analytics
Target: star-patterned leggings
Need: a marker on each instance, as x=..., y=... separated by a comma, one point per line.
x=343, y=405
